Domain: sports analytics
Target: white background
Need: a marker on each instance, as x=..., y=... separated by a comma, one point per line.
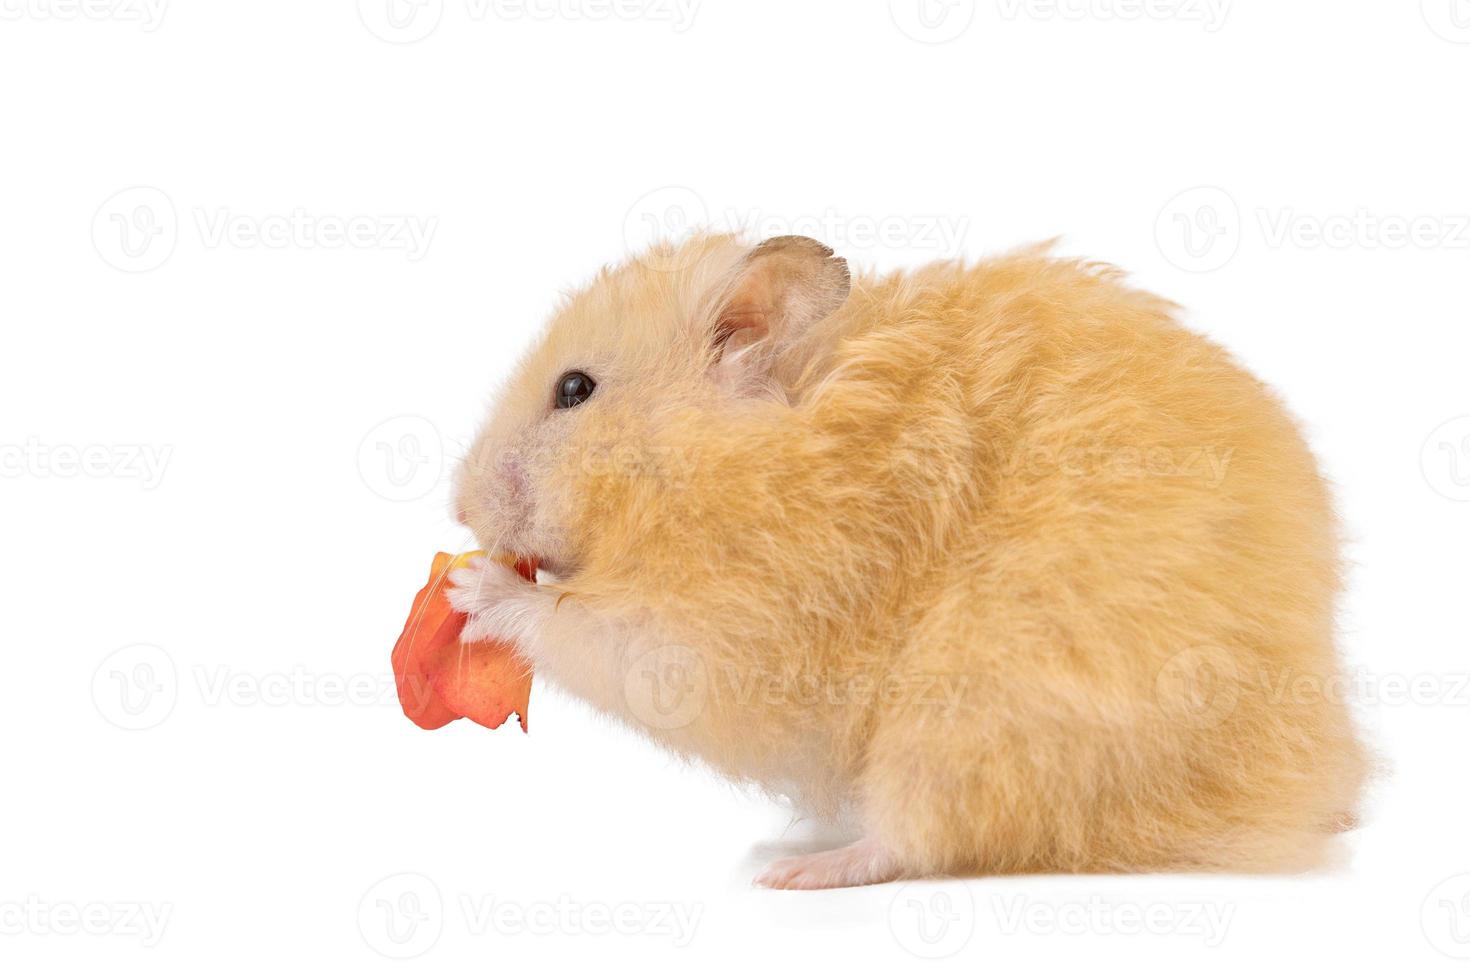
x=226, y=435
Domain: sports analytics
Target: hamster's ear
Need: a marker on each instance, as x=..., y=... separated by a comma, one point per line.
x=781, y=287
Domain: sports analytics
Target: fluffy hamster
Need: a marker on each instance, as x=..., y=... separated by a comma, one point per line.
x=996, y=561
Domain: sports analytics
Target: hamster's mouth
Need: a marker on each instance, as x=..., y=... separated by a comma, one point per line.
x=555, y=566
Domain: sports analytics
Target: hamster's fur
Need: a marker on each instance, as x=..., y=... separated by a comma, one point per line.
x=997, y=559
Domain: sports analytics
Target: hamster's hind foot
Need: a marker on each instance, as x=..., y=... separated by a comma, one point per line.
x=865, y=862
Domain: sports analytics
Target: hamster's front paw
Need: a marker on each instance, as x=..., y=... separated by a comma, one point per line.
x=498, y=601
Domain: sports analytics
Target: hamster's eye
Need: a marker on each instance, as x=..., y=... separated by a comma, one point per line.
x=573, y=389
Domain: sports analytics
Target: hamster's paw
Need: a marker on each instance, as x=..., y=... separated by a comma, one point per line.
x=865, y=862
x=499, y=602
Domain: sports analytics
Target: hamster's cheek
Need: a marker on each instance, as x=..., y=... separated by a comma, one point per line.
x=550, y=533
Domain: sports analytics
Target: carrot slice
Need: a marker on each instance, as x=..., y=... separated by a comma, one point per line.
x=440, y=678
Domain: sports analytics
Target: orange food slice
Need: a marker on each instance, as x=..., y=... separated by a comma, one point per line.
x=440, y=678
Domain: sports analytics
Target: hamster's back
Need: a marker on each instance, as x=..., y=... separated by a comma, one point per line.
x=1131, y=560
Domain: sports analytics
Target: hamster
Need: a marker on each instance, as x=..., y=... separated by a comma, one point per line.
x=996, y=564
